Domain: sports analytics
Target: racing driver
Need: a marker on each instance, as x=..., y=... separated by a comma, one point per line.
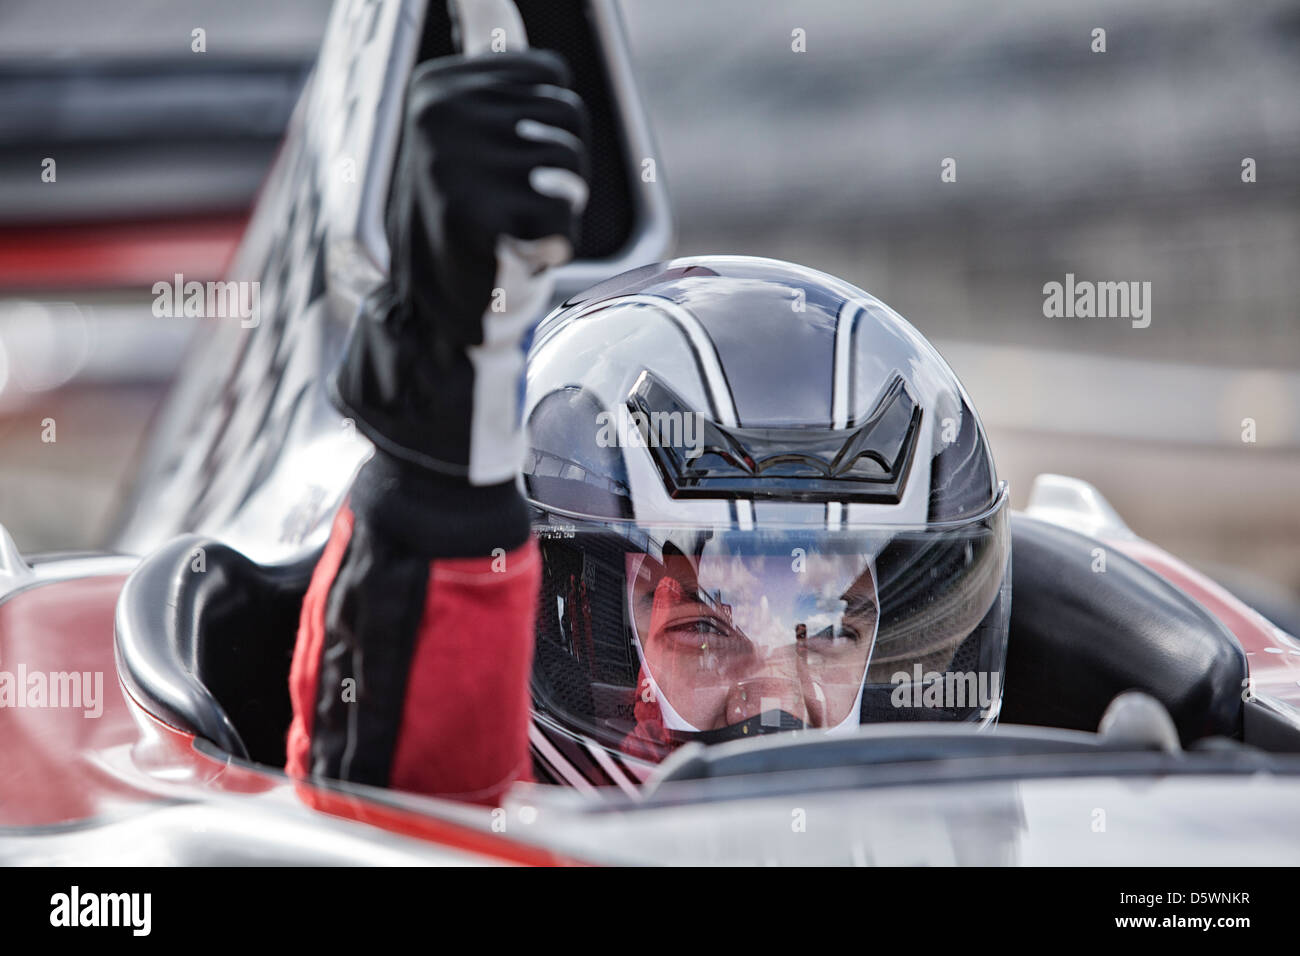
x=730, y=496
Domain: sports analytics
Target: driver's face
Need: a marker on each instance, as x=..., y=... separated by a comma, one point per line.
x=727, y=639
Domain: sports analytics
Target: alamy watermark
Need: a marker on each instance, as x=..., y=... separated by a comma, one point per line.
x=133, y=911
x=75, y=690
x=951, y=689
x=626, y=428
x=1082, y=299
x=212, y=300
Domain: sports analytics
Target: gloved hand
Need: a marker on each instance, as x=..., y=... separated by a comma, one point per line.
x=492, y=148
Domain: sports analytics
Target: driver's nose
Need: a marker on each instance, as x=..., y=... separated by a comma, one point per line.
x=752, y=696
x=779, y=679
x=778, y=682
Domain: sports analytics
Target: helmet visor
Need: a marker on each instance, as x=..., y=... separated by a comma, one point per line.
x=649, y=636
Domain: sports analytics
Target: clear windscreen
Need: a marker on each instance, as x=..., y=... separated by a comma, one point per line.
x=652, y=636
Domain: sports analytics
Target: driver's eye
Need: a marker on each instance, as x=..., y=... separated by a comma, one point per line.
x=841, y=634
x=700, y=625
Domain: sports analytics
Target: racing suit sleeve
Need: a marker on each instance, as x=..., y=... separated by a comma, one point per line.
x=415, y=640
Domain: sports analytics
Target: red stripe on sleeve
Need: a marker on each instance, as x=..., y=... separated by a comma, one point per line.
x=305, y=669
x=465, y=726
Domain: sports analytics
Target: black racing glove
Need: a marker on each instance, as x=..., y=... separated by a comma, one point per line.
x=492, y=162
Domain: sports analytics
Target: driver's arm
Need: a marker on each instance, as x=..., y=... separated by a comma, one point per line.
x=415, y=642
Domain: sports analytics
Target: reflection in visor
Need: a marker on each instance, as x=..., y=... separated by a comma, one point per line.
x=652, y=636
x=726, y=638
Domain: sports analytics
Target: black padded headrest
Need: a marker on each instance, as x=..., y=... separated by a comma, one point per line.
x=1079, y=637
x=204, y=641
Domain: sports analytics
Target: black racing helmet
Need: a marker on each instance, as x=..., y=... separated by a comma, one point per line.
x=764, y=503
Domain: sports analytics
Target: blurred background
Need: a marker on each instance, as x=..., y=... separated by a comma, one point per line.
x=159, y=153
x=1117, y=166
